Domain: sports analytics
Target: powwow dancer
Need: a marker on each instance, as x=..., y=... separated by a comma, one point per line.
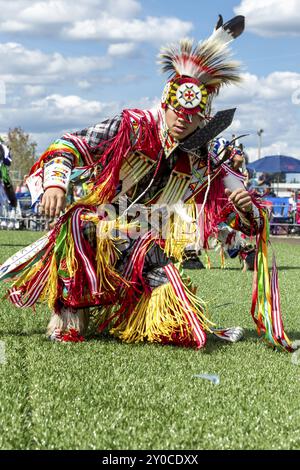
x=6, y=187
x=231, y=242
x=102, y=254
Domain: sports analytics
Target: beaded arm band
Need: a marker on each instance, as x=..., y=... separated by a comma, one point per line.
x=57, y=173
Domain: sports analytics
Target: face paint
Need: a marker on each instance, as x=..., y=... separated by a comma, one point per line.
x=180, y=127
x=186, y=117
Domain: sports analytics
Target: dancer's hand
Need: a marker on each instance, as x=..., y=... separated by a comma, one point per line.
x=240, y=198
x=53, y=202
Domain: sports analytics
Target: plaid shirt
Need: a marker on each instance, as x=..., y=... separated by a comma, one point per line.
x=101, y=132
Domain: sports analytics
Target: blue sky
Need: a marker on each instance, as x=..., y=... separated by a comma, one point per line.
x=66, y=65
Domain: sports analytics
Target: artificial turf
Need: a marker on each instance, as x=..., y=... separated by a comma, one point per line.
x=102, y=394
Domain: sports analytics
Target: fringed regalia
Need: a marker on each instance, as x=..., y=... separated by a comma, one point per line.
x=119, y=249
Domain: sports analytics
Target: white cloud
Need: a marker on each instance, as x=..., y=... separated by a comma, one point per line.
x=121, y=49
x=32, y=66
x=265, y=103
x=91, y=19
x=2, y=92
x=152, y=29
x=84, y=84
x=32, y=15
x=48, y=118
x=144, y=102
x=51, y=114
x=66, y=105
x=12, y=26
x=271, y=17
x=277, y=85
x=276, y=148
x=34, y=90
x=120, y=8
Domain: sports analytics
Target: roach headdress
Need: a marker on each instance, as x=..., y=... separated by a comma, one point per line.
x=198, y=71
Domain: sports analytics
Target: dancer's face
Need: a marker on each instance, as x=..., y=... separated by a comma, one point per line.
x=179, y=128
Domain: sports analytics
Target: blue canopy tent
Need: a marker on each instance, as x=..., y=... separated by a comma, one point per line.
x=276, y=164
x=280, y=206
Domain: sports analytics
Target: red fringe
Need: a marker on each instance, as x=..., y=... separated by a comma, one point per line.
x=213, y=207
x=140, y=137
x=145, y=138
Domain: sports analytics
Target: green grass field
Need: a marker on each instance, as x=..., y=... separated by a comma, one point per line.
x=101, y=394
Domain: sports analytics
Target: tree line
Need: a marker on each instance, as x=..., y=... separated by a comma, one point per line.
x=23, y=153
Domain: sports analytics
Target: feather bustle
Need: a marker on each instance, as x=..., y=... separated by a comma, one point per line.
x=208, y=61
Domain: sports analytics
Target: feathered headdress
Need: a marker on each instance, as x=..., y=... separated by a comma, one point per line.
x=197, y=72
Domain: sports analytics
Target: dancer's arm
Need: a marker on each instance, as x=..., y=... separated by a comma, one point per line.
x=78, y=149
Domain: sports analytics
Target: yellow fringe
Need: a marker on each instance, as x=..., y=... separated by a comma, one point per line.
x=208, y=262
x=160, y=316
x=181, y=233
x=106, y=250
x=222, y=255
x=95, y=197
x=27, y=274
x=132, y=330
x=71, y=261
x=50, y=290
